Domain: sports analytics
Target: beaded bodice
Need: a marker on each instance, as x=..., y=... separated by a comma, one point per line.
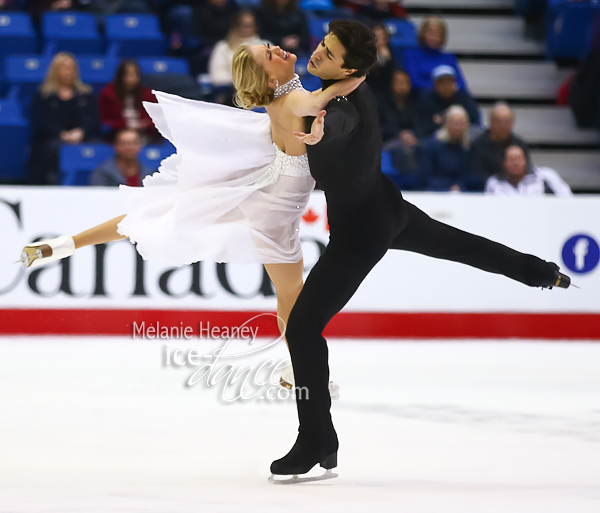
x=290, y=165
x=288, y=87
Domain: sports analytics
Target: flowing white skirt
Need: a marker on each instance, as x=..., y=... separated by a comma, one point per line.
x=227, y=194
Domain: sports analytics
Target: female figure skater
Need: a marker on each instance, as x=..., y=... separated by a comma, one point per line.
x=236, y=188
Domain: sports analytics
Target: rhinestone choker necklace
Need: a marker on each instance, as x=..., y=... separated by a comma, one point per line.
x=288, y=86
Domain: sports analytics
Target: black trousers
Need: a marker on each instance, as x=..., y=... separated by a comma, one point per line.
x=337, y=275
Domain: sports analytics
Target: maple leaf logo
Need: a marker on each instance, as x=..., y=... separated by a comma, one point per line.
x=310, y=216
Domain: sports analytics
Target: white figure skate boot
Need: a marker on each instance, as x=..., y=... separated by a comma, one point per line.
x=287, y=381
x=46, y=251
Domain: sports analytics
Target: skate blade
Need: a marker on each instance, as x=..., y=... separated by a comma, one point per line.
x=26, y=260
x=295, y=479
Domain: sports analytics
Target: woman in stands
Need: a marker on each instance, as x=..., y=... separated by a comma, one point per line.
x=421, y=61
x=63, y=111
x=120, y=104
x=236, y=188
x=243, y=31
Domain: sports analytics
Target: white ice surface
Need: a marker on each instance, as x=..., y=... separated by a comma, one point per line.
x=100, y=425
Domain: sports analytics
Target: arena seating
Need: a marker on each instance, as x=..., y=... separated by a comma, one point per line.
x=16, y=34
x=135, y=35
x=14, y=137
x=569, y=28
x=71, y=32
x=497, y=61
x=154, y=65
x=77, y=162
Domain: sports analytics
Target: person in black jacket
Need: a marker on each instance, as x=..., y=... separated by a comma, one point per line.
x=213, y=18
x=282, y=23
x=380, y=75
x=398, y=109
x=367, y=216
x=63, y=111
x=487, y=150
x=433, y=103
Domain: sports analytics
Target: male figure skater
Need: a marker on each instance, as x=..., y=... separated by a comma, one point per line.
x=367, y=216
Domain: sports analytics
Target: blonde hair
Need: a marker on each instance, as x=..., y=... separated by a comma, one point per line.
x=250, y=80
x=51, y=81
x=432, y=21
x=442, y=133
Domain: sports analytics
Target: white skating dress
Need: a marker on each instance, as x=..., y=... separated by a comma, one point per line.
x=227, y=195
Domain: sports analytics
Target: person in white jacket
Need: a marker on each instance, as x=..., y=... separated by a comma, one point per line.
x=242, y=32
x=522, y=178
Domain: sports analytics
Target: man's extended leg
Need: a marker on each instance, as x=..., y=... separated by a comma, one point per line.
x=332, y=282
x=430, y=237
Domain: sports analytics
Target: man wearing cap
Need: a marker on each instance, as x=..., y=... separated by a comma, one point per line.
x=435, y=102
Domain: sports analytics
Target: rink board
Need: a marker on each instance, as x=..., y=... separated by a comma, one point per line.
x=104, y=290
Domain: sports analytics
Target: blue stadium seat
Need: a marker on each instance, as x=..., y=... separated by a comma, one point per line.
x=79, y=160
x=136, y=35
x=98, y=70
x=319, y=27
x=569, y=29
x=16, y=34
x=26, y=73
x=402, y=33
x=387, y=166
x=71, y=32
x=14, y=142
x=153, y=155
x=317, y=5
x=301, y=63
x=157, y=65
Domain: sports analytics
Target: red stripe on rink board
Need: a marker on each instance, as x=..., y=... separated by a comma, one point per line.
x=345, y=324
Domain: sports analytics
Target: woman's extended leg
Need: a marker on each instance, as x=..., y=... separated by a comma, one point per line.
x=288, y=282
x=105, y=232
x=46, y=251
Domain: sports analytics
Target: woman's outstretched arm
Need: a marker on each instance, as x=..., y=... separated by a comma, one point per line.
x=302, y=104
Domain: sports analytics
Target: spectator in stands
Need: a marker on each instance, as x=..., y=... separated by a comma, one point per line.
x=243, y=31
x=120, y=103
x=397, y=110
x=487, y=150
x=380, y=75
x=584, y=92
x=432, y=104
x=521, y=178
x=396, y=115
x=109, y=7
x=444, y=159
x=63, y=111
x=371, y=10
x=124, y=168
x=213, y=19
x=282, y=23
x=421, y=61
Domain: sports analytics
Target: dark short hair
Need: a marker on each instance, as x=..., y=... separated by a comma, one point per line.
x=359, y=42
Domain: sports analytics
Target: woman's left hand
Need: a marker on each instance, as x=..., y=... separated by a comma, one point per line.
x=317, y=131
x=350, y=84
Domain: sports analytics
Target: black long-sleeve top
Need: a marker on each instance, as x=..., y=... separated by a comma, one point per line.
x=50, y=116
x=347, y=164
x=432, y=103
x=395, y=119
x=212, y=23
